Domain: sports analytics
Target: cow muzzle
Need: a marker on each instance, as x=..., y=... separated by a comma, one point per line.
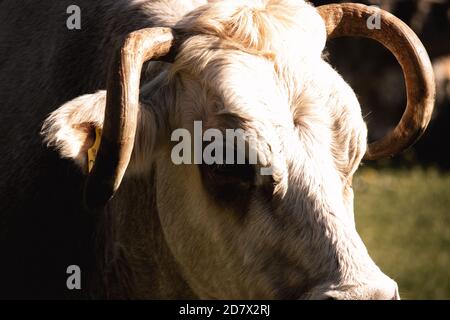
x=377, y=289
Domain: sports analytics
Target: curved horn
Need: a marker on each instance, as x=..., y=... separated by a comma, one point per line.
x=351, y=19
x=121, y=111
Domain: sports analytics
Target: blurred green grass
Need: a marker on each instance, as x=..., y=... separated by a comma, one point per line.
x=403, y=216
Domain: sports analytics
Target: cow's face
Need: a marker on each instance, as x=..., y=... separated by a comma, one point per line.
x=239, y=231
x=280, y=226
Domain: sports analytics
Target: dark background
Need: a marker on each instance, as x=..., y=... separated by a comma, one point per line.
x=376, y=77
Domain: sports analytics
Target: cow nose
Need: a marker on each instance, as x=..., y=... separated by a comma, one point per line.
x=384, y=289
x=388, y=291
x=396, y=295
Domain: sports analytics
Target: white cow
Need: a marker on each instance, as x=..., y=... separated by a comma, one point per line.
x=227, y=231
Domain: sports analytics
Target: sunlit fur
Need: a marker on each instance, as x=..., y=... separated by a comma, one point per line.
x=254, y=65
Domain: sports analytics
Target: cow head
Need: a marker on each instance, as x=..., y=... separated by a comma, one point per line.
x=235, y=229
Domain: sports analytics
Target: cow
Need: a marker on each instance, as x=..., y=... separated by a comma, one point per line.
x=87, y=178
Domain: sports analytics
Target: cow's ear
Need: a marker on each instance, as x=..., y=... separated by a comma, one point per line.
x=72, y=128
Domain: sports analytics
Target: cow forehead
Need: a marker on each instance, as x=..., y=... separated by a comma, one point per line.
x=231, y=89
x=259, y=26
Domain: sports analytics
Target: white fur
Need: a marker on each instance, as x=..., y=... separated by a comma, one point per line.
x=60, y=130
x=255, y=64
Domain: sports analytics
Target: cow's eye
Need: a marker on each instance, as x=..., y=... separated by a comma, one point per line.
x=245, y=172
x=229, y=184
x=238, y=171
x=237, y=175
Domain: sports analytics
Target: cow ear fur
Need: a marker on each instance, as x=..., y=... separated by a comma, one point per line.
x=70, y=129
